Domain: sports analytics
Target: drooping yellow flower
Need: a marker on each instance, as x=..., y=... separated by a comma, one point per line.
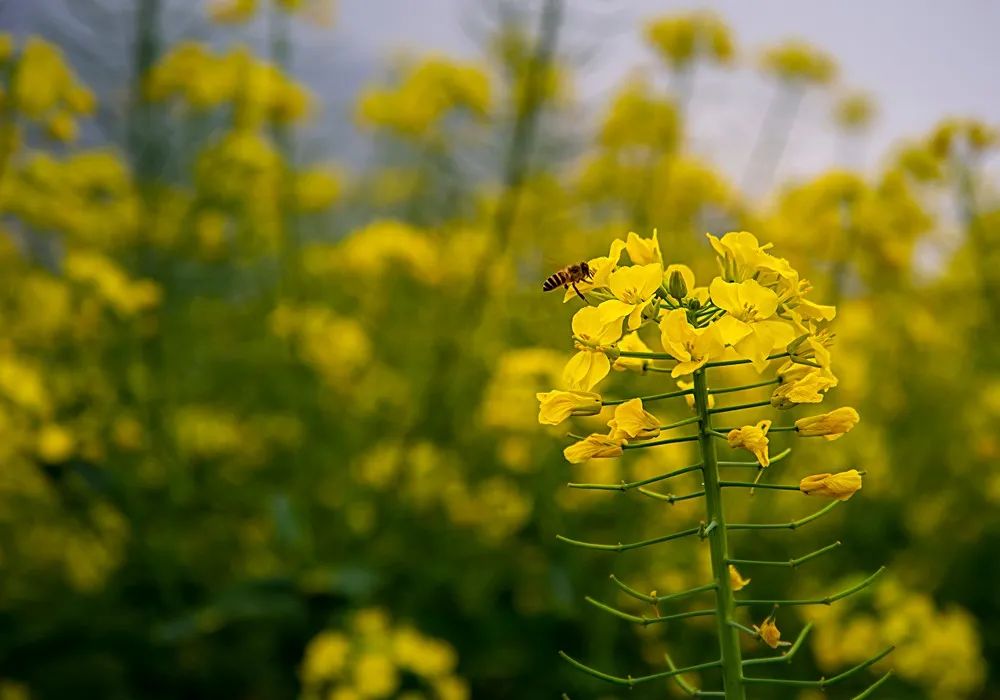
x=556, y=406
x=592, y=334
x=633, y=287
x=632, y=343
x=769, y=632
x=593, y=446
x=632, y=421
x=736, y=580
x=828, y=425
x=802, y=387
x=750, y=326
x=643, y=251
x=840, y=486
x=752, y=438
x=691, y=347
x=600, y=271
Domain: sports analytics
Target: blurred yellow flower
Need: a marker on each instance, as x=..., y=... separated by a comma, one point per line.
x=54, y=443
x=685, y=38
x=557, y=406
x=797, y=62
x=830, y=425
x=840, y=486
x=752, y=438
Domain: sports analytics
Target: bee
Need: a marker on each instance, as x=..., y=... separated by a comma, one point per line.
x=568, y=277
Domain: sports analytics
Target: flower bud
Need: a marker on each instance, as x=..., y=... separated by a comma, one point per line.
x=828, y=425
x=556, y=406
x=676, y=285
x=840, y=486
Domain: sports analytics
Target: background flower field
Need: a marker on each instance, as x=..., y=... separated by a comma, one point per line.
x=268, y=425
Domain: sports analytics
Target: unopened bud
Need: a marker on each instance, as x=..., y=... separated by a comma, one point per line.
x=677, y=286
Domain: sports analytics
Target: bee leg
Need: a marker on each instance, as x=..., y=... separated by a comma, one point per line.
x=578, y=293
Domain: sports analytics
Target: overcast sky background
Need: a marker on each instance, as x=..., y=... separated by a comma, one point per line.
x=921, y=59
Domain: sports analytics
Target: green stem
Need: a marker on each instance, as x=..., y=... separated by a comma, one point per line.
x=728, y=363
x=731, y=389
x=626, y=486
x=790, y=563
x=729, y=642
x=651, y=397
x=828, y=600
x=793, y=525
x=654, y=443
x=632, y=545
x=739, y=407
x=669, y=497
x=686, y=421
x=628, y=590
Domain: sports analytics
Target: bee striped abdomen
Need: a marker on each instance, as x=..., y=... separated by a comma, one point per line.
x=557, y=280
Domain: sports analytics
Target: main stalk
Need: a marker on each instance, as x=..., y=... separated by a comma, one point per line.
x=729, y=641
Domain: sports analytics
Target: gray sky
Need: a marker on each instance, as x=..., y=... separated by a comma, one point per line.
x=921, y=59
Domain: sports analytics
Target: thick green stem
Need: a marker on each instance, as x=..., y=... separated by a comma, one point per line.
x=729, y=641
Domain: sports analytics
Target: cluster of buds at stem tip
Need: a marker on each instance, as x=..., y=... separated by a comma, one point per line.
x=676, y=286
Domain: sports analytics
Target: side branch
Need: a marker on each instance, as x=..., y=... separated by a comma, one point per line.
x=642, y=619
x=776, y=458
x=728, y=363
x=867, y=693
x=687, y=687
x=795, y=524
x=745, y=387
x=652, y=599
x=633, y=545
x=669, y=497
x=629, y=680
x=791, y=563
x=739, y=407
x=626, y=486
x=828, y=600
x=823, y=682
x=787, y=656
x=651, y=397
x=654, y=443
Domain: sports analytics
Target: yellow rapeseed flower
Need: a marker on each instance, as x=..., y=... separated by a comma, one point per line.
x=643, y=251
x=593, y=334
x=633, y=287
x=691, y=347
x=804, y=387
x=556, y=406
x=593, y=446
x=736, y=580
x=829, y=425
x=750, y=325
x=632, y=421
x=769, y=632
x=840, y=486
x=752, y=438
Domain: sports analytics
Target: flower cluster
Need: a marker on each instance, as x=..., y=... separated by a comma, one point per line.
x=42, y=88
x=424, y=95
x=373, y=658
x=756, y=306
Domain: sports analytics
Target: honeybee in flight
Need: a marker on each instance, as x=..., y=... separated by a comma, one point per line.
x=568, y=277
